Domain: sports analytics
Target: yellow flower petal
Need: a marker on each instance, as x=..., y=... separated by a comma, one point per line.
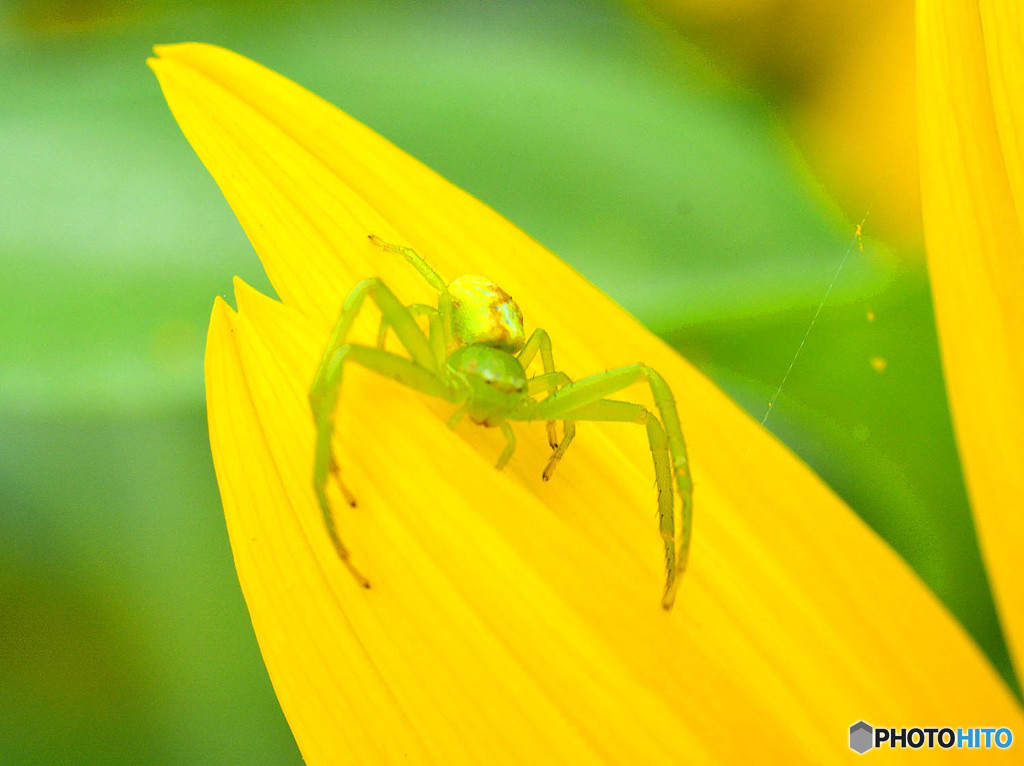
x=513, y=620
x=971, y=80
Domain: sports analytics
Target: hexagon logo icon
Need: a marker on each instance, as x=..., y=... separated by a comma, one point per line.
x=861, y=737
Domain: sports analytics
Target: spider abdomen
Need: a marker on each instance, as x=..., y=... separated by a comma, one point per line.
x=484, y=314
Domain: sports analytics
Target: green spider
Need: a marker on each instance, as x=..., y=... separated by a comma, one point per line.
x=475, y=354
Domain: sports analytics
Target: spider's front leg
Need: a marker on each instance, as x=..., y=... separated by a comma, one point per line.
x=444, y=298
x=420, y=373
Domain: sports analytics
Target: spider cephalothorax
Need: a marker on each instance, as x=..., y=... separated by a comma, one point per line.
x=475, y=354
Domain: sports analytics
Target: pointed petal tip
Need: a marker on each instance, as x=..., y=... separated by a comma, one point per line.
x=247, y=297
x=162, y=54
x=246, y=294
x=198, y=55
x=186, y=54
x=168, y=51
x=157, y=62
x=222, y=310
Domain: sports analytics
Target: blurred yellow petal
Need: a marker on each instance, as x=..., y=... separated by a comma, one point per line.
x=971, y=103
x=512, y=620
x=841, y=74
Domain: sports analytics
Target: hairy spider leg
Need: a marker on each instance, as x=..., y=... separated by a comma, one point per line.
x=444, y=299
x=414, y=309
x=585, y=400
x=540, y=384
x=539, y=340
x=323, y=395
x=396, y=315
x=569, y=428
x=627, y=412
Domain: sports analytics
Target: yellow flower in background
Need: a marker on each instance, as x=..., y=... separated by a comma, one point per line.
x=841, y=75
x=512, y=620
x=971, y=107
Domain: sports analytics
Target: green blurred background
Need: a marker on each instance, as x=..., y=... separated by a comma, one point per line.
x=704, y=163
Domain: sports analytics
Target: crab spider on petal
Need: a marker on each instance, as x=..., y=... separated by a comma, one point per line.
x=475, y=354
